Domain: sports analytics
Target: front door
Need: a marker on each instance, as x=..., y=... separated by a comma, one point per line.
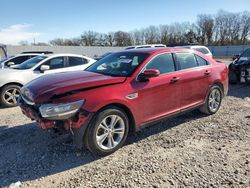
x=159, y=96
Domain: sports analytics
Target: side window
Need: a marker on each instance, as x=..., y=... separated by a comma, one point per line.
x=186, y=60
x=201, y=61
x=74, y=61
x=18, y=60
x=164, y=63
x=55, y=63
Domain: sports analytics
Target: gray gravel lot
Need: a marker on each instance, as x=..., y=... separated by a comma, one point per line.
x=190, y=150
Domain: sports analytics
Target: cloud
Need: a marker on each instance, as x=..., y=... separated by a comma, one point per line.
x=16, y=33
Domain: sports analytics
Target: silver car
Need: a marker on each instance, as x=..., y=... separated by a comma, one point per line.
x=12, y=79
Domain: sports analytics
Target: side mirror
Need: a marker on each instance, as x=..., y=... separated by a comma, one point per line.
x=44, y=68
x=235, y=57
x=9, y=64
x=149, y=73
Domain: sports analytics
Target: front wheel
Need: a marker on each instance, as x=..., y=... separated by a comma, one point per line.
x=9, y=95
x=107, y=132
x=213, y=101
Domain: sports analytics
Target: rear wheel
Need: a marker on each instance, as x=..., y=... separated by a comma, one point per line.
x=213, y=101
x=107, y=132
x=9, y=95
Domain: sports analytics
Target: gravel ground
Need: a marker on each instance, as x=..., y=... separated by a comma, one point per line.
x=190, y=150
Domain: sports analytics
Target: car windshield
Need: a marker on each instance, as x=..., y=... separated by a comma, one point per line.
x=5, y=59
x=118, y=64
x=246, y=53
x=30, y=62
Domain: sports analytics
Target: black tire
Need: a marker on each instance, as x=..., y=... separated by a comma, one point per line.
x=206, y=108
x=7, y=102
x=90, y=137
x=233, y=78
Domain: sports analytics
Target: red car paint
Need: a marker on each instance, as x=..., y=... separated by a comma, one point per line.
x=159, y=97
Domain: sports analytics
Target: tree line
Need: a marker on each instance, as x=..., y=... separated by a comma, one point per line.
x=223, y=28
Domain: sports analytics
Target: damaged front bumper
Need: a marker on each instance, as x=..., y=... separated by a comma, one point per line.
x=77, y=120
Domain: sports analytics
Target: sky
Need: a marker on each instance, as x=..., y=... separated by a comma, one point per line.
x=44, y=20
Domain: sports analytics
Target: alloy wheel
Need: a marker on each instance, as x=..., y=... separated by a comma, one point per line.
x=214, y=100
x=110, y=132
x=10, y=96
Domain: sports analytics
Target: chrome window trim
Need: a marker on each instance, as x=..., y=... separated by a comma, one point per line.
x=176, y=71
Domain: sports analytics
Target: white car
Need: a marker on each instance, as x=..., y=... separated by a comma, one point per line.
x=12, y=79
x=20, y=58
x=202, y=49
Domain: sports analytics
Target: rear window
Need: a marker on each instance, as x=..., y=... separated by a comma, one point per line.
x=74, y=61
x=186, y=60
x=202, y=50
x=201, y=61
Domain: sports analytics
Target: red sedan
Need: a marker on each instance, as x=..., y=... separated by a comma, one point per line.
x=124, y=92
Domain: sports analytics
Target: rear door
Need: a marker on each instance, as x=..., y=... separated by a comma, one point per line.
x=159, y=96
x=76, y=63
x=194, y=80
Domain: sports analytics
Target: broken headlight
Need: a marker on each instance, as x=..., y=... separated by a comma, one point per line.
x=60, y=111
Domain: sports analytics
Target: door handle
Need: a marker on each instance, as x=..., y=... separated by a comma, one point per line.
x=207, y=72
x=174, y=79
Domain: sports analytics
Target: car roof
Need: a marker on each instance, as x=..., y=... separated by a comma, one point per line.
x=193, y=46
x=153, y=50
x=66, y=54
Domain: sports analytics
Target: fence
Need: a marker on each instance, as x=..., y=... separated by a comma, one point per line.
x=227, y=50
x=92, y=51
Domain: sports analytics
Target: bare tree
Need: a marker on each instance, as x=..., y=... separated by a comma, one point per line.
x=151, y=35
x=138, y=37
x=224, y=28
x=122, y=38
x=245, y=27
x=89, y=38
x=164, y=34
x=205, y=27
x=223, y=24
x=57, y=42
x=110, y=38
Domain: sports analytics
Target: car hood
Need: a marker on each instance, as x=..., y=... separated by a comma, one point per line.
x=45, y=87
x=242, y=62
x=5, y=71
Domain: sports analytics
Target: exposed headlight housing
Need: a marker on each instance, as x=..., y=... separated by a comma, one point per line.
x=60, y=111
x=27, y=96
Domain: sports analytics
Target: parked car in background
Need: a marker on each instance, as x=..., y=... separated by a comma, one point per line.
x=239, y=69
x=20, y=58
x=124, y=92
x=11, y=80
x=103, y=55
x=203, y=49
x=146, y=46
